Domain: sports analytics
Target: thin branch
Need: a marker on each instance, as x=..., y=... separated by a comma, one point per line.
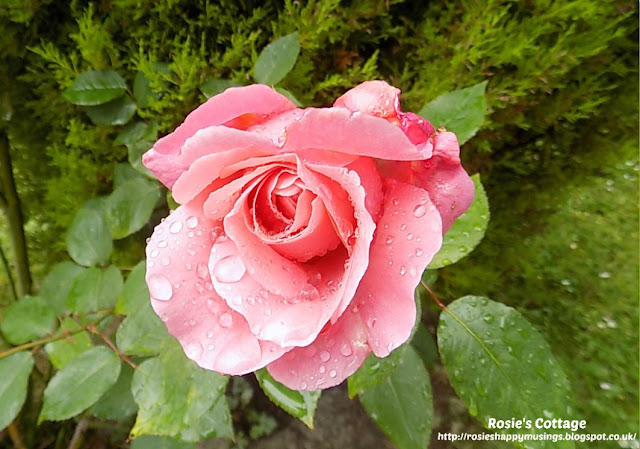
x=9, y=274
x=92, y=328
x=15, y=436
x=433, y=295
x=51, y=338
x=78, y=434
x=14, y=217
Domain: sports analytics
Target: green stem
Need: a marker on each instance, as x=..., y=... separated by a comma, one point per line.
x=15, y=218
x=52, y=338
x=7, y=268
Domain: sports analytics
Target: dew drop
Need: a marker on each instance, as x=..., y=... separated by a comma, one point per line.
x=210, y=334
x=229, y=269
x=403, y=227
x=192, y=222
x=202, y=271
x=419, y=211
x=372, y=323
x=303, y=385
x=346, y=350
x=389, y=240
x=333, y=373
x=409, y=236
x=403, y=270
x=175, y=227
x=165, y=261
x=160, y=288
x=154, y=253
x=325, y=356
x=211, y=347
x=225, y=320
x=322, y=369
x=193, y=350
x=419, y=252
x=162, y=244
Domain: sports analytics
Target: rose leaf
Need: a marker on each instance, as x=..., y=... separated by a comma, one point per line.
x=277, y=59
x=14, y=378
x=95, y=87
x=89, y=238
x=501, y=366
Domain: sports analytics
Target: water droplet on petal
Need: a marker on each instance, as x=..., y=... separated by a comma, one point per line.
x=160, y=288
x=403, y=227
x=193, y=350
x=162, y=244
x=333, y=373
x=322, y=369
x=403, y=270
x=346, y=350
x=153, y=253
x=229, y=269
x=389, y=240
x=202, y=271
x=409, y=236
x=175, y=227
x=210, y=334
x=225, y=320
x=325, y=356
x=303, y=385
x=419, y=252
x=419, y=211
x=192, y=222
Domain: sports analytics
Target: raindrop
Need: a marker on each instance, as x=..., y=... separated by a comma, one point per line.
x=229, y=269
x=153, y=253
x=333, y=373
x=372, y=323
x=192, y=222
x=389, y=240
x=419, y=252
x=346, y=350
x=210, y=334
x=409, y=236
x=403, y=270
x=202, y=271
x=403, y=227
x=175, y=227
x=303, y=385
x=325, y=356
x=211, y=347
x=193, y=350
x=160, y=288
x=322, y=369
x=419, y=211
x=162, y=244
x=225, y=320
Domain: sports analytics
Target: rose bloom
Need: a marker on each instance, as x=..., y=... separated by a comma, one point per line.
x=302, y=233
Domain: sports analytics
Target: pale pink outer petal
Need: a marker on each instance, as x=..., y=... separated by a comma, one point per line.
x=449, y=186
x=211, y=334
x=335, y=355
x=408, y=235
x=258, y=100
x=344, y=131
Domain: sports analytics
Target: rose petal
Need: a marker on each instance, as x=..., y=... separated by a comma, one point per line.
x=449, y=186
x=211, y=334
x=379, y=99
x=256, y=99
x=335, y=355
x=408, y=234
x=344, y=131
x=218, y=139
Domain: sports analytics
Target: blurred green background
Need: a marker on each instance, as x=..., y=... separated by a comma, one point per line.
x=558, y=153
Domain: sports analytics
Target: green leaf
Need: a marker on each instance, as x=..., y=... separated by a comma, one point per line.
x=142, y=91
x=117, y=402
x=95, y=289
x=95, y=87
x=373, y=371
x=27, y=319
x=461, y=111
x=130, y=205
x=142, y=332
x=299, y=404
x=64, y=351
x=214, y=423
x=425, y=346
x=501, y=367
x=89, y=238
x=289, y=95
x=173, y=379
x=216, y=86
x=135, y=152
x=14, y=378
x=401, y=405
x=135, y=293
x=80, y=384
x=57, y=284
x=124, y=172
x=156, y=442
x=277, y=59
x=135, y=132
x=114, y=112
x=467, y=231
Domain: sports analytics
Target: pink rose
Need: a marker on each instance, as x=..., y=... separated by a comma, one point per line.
x=302, y=233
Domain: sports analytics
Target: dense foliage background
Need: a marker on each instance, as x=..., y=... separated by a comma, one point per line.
x=558, y=153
